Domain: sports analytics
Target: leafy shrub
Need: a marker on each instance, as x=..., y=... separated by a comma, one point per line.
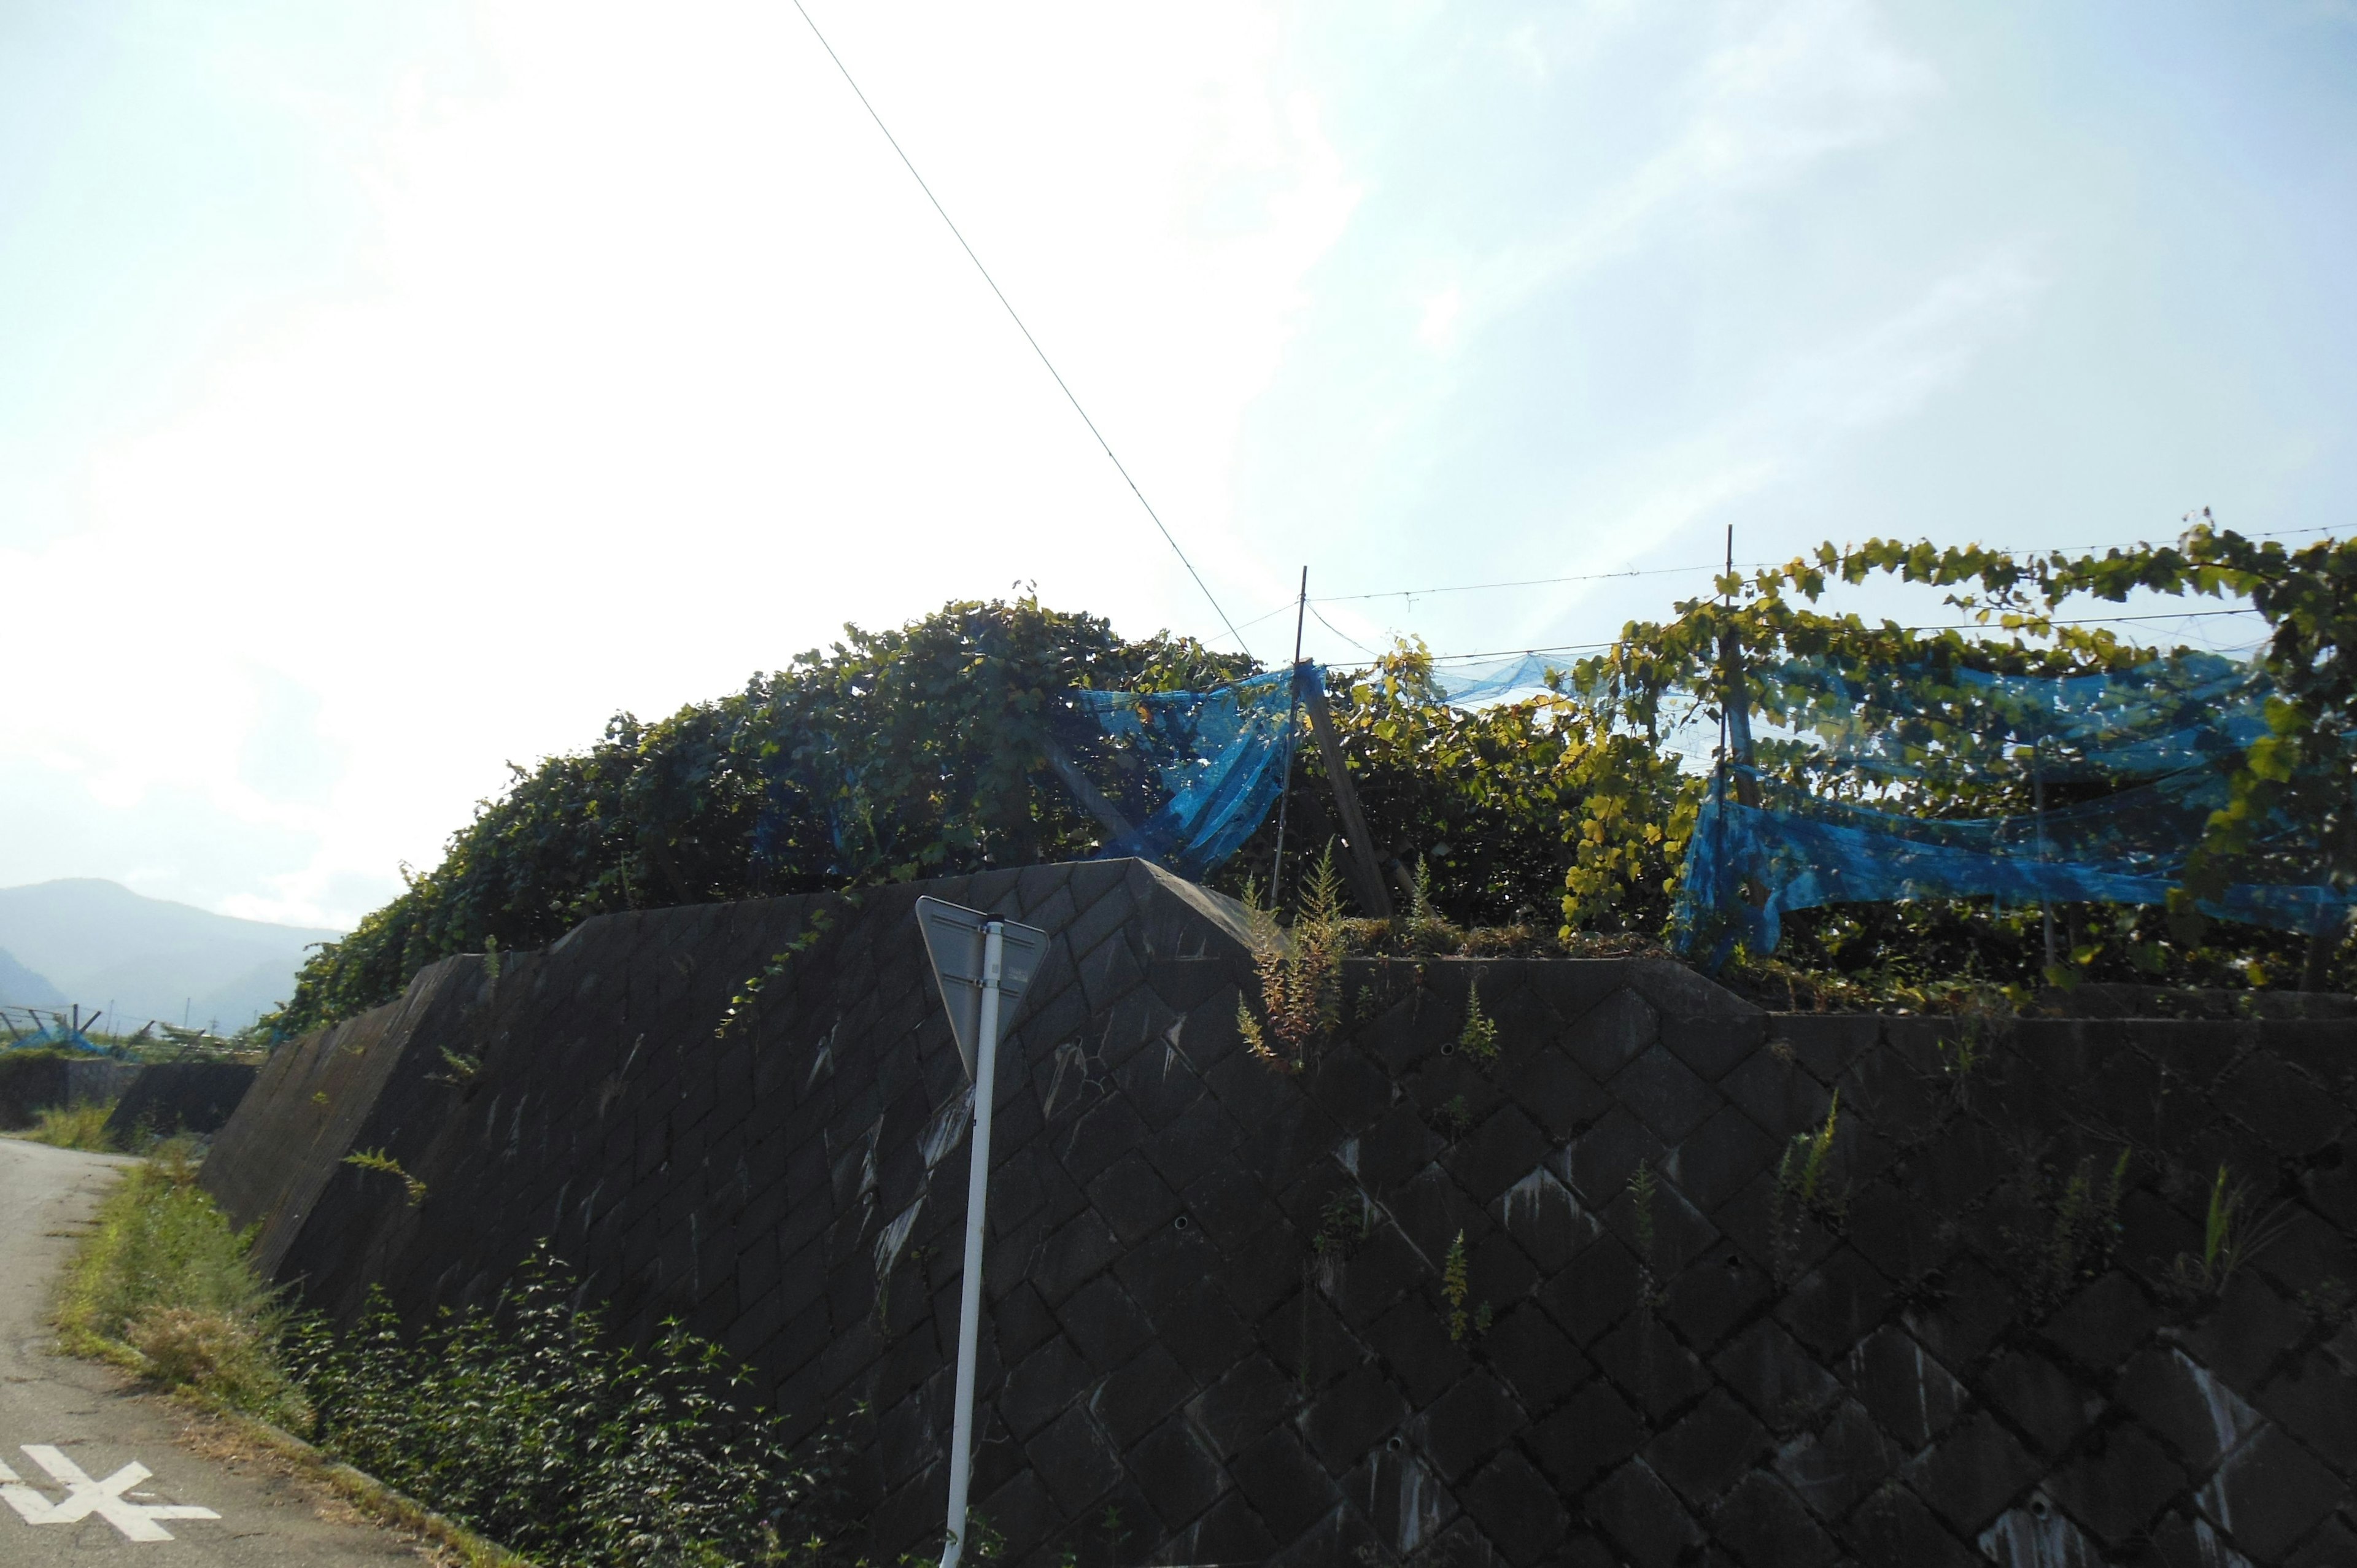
x=919, y=752
x=914, y=752
x=529, y=1423
x=532, y=1425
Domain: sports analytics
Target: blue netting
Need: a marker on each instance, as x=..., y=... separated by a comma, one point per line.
x=1491, y=680
x=1922, y=720
x=1189, y=774
x=2145, y=754
x=57, y=1036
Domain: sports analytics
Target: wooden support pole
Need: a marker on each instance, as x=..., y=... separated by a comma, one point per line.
x=1086, y=793
x=1366, y=871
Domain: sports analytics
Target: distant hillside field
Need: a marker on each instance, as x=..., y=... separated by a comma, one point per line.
x=102, y=945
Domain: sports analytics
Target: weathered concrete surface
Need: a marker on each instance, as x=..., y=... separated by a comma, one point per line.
x=166, y=1097
x=1219, y=1292
x=30, y=1084
x=97, y=1420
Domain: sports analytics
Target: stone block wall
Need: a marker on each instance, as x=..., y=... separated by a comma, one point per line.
x=30, y=1084
x=166, y=1097
x=1665, y=1279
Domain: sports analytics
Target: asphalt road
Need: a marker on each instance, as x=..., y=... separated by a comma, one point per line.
x=116, y=1475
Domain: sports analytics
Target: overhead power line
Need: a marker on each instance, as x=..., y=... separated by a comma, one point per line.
x=1011, y=314
x=1949, y=626
x=1712, y=566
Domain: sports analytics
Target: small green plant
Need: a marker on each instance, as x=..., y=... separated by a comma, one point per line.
x=1300, y=979
x=989, y=1543
x=378, y=1160
x=2228, y=1238
x=1644, y=1187
x=464, y=1068
x=743, y=1005
x=491, y=960
x=2086, y=1227
x=1804, y=1188
x=1814, y=1149
x=1454, y=1119
x=1456, y=1284
x=1480, y=1038
x=81, y=1126
x=1424, y=930
x=1346, y=1220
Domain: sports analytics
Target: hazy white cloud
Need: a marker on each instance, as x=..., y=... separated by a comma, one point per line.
x=656, y=370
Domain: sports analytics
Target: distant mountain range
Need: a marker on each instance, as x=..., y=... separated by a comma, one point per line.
x=99, y=945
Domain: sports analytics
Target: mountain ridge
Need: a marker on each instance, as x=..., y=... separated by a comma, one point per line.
x=99, y=944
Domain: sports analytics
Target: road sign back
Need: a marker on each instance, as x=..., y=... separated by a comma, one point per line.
x=953, y=940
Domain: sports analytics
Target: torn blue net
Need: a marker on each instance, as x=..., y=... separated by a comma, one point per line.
x=1180, y=777
x=2141, y=758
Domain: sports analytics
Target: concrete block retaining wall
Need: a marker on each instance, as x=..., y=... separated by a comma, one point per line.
x=1219, y=1294
x=30, y=1085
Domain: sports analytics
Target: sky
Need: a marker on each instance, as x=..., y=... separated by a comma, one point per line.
x=389, y=391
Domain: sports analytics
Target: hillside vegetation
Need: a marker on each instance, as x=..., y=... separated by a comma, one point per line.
x=919, y=752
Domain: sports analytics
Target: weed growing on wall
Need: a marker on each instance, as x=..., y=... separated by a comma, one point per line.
x=1346, y=1220
x=2086, y=1227
x=1300, y=978
x=2230, y=1238
x=1804, y=1188
x=742, y=1005
x=1480, y=1037
x=379, y=1161
x=1456, y=1284
x=1643, y=1186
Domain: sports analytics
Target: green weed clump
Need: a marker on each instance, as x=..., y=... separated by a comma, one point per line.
x=527, y=1422
x=532, y=1425
x=81, y=1126
x=162, y=1283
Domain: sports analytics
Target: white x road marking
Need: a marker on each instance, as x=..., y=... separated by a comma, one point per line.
x=85, y=1496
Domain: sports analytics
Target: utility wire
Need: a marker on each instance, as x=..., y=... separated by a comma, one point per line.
x=1950, y=625
x=1345, y=636
x=1050, y=364
x=1673, y=570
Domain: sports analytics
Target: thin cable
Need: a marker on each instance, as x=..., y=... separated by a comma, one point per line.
x=1527, y=583
x=1345, y=636
x=1673, y=571
x=1950, y=625
x=1011, y=315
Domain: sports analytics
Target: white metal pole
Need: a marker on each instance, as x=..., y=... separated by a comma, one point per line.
x=978, y=1202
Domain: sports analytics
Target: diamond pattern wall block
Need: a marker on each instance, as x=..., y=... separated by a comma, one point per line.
x=1216, y=1293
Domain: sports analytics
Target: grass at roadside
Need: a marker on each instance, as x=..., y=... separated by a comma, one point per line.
x=532, y=1425
x=162, y=1284
x=82, y=1125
